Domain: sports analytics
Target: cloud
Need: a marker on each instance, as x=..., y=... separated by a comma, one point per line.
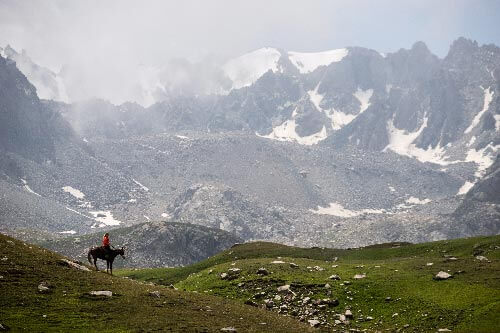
x=103, y=44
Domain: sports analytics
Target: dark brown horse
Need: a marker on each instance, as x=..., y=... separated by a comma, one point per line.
x=108, y=255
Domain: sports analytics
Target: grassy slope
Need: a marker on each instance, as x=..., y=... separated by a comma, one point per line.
x=69, y=307
x=468, y=302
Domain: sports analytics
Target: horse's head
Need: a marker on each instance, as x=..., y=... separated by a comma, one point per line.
x=122, y=252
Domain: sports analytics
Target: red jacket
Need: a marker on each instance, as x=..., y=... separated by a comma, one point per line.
x=105, y=241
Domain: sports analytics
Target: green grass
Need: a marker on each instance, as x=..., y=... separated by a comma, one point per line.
x=469, y=302
x=70, y=308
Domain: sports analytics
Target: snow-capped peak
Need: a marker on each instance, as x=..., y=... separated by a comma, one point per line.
x=308, y=62
x=246, y=69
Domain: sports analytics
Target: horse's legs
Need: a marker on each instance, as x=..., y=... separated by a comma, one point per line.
x=111, y=267
x=107, y=266
x=95, y=264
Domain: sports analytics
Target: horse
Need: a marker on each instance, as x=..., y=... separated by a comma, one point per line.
x=108, y=255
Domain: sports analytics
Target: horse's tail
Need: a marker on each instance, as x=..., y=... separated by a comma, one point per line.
x=88, y=256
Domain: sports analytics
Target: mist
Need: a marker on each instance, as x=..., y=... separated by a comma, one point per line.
x=109, y=49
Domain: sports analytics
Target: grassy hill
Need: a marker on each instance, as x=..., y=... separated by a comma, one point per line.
x=68, y=305
x=397, y=292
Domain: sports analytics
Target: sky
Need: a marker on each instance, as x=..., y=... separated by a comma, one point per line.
x=105, y=38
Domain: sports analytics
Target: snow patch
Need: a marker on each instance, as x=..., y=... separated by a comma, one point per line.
x=417, y=201
x=71, y=232
x=287, y=132
x=165, y=215
x=105, y=217
x=484, y=158
x=337, y=209
x=471, y=141
x=27, y=188
x=182, y=137
x=338, y=118
x=465, y=188
x=401, y=142
x=248, y=68
x=488, y=97
x=74, y=192
x=497, y=122
x=363, y=96
x=392, y=189
x=142, y=186
x=308, y=62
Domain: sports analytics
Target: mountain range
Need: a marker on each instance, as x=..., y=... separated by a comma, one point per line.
x=341, y=148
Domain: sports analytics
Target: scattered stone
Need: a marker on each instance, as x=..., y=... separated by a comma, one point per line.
x=5, y=259
x=406, y=326
x=294, y=265
x=210, y=271
x=306, y=300
x=369, y=318
x=481, y=258
x=269, y=303
x=388, y=299
x=234, y=271
x=334, y=277
x=155, y=293
x=395, y=315
x=44, y=287
x=335, y=266
x=348, y=314
x=442, y=276
x=359, y=276
x=224, y=276
x=106, y=293
x=429, y=264
x=277, y=298
x=241, y=284
x=444, y=330
x=330, y=302
x=228, y=329
x=314, y=322
x=347, y=283
x=262, y=271
x=285, y=287
x=319, y=269
x=327, y=286
x=171, y=286
x=278, y=262
x=72, y=264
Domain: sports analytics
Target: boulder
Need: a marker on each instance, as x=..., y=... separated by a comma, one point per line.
x=262, y=271
x=44, y=287
x=348, y=314
x=442, y=276
x=155, y=293
x=284, y=288
x=294, y=265
x=481, y=258
x=314, y=322
x=72, y=264
x=106, y=293
x=359, y=276
x=334, y=277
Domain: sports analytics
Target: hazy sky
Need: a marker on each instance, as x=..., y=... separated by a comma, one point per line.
x=108, y=36
x=54, y=32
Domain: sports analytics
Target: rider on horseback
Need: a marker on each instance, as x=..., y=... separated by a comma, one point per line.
x=105, y=243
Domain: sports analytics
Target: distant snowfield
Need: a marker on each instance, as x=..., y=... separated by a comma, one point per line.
x=105, y=217
x=308, y=62
x=336, y=209
x=248, y=68
x=74, y=192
